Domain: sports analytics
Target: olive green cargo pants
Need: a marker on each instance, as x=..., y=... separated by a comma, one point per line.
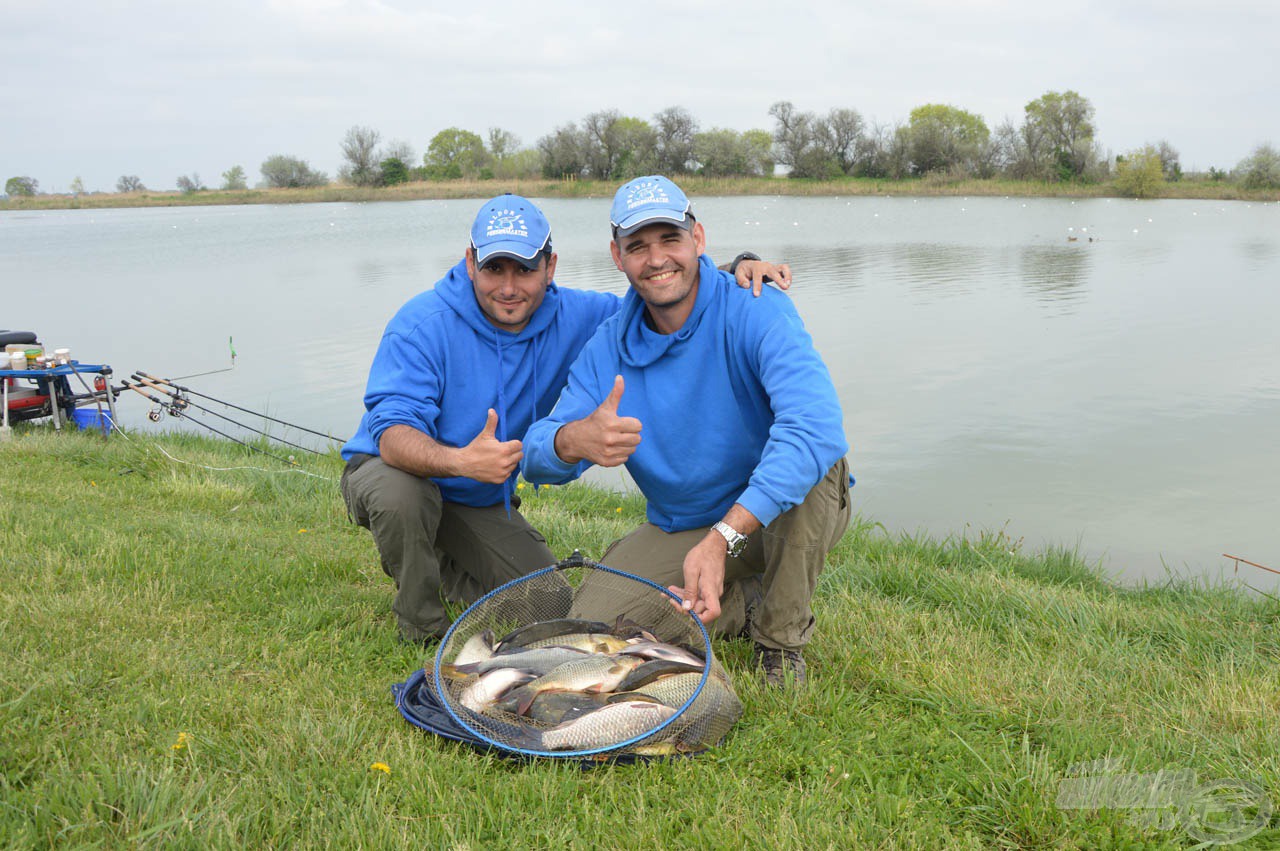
x=783, y=560
x=435, y=549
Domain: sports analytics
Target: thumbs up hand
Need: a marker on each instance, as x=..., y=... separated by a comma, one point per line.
x=489, y=459
x=603, y=437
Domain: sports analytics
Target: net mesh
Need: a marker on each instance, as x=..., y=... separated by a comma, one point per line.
x=579, y=660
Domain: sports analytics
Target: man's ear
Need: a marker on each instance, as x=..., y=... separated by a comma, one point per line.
x=616, y=253
x=699, y=237
x=471, y=264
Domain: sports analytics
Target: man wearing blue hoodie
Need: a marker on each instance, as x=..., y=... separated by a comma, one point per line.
x=460, y=373
x=727, y=419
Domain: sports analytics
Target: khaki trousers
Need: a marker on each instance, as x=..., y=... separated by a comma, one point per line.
x=785, y=558
x=435, y=549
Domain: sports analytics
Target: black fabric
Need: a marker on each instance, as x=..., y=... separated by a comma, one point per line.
x=17, y=338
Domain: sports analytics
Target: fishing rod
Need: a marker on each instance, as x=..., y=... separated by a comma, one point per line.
x=180, y=411
x=178, y=397
x=237, y=407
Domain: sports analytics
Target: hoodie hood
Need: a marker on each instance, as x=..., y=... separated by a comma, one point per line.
x=639, y=346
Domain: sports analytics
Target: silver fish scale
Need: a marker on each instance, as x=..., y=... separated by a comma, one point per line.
x=611, y=725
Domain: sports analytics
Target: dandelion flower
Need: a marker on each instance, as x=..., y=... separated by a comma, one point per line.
x=618, y=509
x=380, y=766
x=181, y=744
x=301, y=531
x=520, y=486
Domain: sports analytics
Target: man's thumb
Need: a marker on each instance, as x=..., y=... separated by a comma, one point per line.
x=490, y=424
x=615, y=395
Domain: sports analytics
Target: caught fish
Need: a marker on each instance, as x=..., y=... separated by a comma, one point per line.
x=542, y=630
x=489, y=687
x=538, y=661
x=661, y=650
x=592, y=673
x=588, y=642
x=556, y=707
x=478, y=648
x=652, y=670
x=715, y=701
x=615, y=723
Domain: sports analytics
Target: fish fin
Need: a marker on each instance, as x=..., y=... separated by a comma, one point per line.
x=525, y=699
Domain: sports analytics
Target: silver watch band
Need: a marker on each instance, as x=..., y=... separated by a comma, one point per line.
x=734, y=540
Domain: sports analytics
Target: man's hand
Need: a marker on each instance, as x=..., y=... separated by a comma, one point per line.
x=703, y=577
x=603, y=437
x=751, y=273
x=487, y=459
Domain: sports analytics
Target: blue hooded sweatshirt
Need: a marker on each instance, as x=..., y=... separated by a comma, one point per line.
x=441, y=365
x=736, y=406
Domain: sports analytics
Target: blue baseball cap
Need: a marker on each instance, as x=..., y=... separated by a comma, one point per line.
x=510, y=226
x=647, y=200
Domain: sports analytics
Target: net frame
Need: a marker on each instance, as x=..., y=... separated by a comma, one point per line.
x=464, y=628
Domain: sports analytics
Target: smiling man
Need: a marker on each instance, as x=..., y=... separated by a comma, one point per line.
x=725, y=416
x=461, y=372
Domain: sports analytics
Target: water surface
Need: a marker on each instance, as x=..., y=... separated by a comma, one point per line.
x=1097, y=374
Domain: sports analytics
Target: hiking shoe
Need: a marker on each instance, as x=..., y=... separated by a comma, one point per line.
x=776, y=664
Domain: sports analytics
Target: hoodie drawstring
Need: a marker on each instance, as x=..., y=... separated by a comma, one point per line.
x=501, y=431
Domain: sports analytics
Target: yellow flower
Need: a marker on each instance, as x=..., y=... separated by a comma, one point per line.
x=181, y=744
x=520, y=486
x=380, y=766
x=618, y=509
x=93, y=483
x=301, y=531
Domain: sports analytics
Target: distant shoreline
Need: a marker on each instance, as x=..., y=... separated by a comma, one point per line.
x=697, y=186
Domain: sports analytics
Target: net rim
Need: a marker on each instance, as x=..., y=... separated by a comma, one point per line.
x=574, y=561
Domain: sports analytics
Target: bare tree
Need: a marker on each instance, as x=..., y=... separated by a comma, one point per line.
x=502, y=143
x=359, y=149
x=838, y=135
x=564, y=152
x=399, y=149
x=676, y=128
x=129, y=183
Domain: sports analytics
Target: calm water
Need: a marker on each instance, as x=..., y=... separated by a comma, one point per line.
x=1119, y=393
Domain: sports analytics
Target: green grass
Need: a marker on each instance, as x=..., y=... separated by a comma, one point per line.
x=930, y=185
x=953, y=683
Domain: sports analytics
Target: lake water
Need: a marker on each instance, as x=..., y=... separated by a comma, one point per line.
x=1098, y=374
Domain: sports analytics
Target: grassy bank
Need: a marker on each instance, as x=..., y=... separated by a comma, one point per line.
x=201, y=658
x=932, y=185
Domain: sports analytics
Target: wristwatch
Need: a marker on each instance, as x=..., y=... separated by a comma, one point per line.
x=734, y=540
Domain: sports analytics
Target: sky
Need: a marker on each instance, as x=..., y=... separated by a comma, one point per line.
x=97, y=89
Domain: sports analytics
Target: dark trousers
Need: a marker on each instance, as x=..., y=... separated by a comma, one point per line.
x=437, y=550
x=783, y=560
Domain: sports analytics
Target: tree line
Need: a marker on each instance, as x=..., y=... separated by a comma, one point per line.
x=1055, y=141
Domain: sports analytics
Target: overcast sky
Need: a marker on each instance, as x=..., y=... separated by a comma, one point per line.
x=97, y=89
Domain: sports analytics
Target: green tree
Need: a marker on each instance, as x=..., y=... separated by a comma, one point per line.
x=1259, y=170
x=77, y=186
x=129, y=183
x=26, y=186
x=233, y=179
x=455, y=153
x=1061, y=125
x=759, y=151
x=635, y=148
x=393, y=171
x=564, y=152
x=1140, y=173
x=941, y=137
x=280, y=171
